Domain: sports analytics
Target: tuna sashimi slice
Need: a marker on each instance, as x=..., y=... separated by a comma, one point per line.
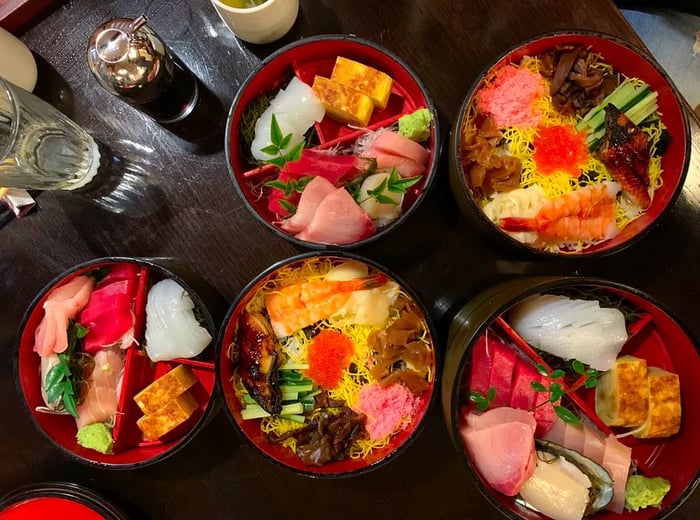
x=594, y=444
x=616, y=461
x=62, y=304
x=404, y=166
x=314, y=192
x=503, y=454
x=501, y=375
x=504, y=414
x=120, y=272
x=108, y=315
x=395, y=144
x=273, y=202
x=544, y=410
x=338, y=220
x=522, y=394
x=481, y=367
x=333, y=167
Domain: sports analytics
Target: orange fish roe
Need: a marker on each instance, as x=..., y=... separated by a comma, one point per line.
x=329, y=353
x=560, y=149
x=386, y=408
x=510, y=98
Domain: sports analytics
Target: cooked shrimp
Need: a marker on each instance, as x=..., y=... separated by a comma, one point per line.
x=586, y=214
x=304, y=303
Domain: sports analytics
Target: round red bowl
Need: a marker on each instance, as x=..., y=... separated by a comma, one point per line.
x=57, y=500
x=626, y=59
x=130, y=449
x=654, y=335
x=284, y=457
x=305, y=59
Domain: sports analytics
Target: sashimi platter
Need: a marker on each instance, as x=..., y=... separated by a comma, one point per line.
x=115, y=363
x=577, y=401
x=332, y=141
x=327, y=365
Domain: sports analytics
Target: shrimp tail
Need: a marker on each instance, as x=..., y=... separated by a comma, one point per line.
x=374, y=280
x=518, y=224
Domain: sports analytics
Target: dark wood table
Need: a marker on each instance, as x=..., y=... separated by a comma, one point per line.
x=176, y=201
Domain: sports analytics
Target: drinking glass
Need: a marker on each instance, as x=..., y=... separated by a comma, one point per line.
x=40, y=147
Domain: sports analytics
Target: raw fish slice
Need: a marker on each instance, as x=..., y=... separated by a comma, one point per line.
x=594, y=444
x=556, y=433
x=404, y=166
x=522, y=395
x=544, y=410
x=334, y=167
x=501, y=376
x=109, y=363
x=172, y=331
x=616, y=461
x=395, y=144
x=314, y=192
x=108, y=315
x=338, y=220
x=571, y=329
x=120, y=272
x=61, y=305
x=574, y=438
x=503, y=414
x=504, y=454
x=99, y=405
x=481, y=367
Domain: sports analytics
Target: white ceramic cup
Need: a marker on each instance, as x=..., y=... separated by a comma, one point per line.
x=17, y=64
x=264, y=23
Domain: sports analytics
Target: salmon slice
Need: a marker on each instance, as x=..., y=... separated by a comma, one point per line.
x=338, y=220
x=61, y=305
x=314, y=192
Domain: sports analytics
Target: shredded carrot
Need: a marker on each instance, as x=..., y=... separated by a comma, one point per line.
x=329, y=354
x=560, y=148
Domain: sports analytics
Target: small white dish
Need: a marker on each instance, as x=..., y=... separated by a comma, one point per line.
x=264, y=23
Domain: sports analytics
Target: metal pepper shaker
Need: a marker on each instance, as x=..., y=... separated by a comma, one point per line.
x=132, y=62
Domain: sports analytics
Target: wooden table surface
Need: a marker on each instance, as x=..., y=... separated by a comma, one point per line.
x=174, y=200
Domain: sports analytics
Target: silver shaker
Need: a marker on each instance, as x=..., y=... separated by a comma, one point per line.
x=132, y=62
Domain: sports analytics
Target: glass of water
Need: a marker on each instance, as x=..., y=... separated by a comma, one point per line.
x=40, y=147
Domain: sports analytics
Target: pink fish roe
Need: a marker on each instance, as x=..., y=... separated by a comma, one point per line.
x=385, y=408
x=510, y=97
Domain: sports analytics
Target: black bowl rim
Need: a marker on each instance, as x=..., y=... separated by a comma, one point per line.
x=509, y=241
x=542, y=284
x=151, y=264
x=65, y=490
x=436, y=351
x=432, y=170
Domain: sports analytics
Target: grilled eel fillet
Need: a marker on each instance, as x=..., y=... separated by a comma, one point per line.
x=259, y=361
x=625, y=152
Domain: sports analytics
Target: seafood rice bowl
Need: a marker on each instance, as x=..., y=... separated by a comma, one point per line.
x=573, y=398
x=571, y=144
x=327, y=365
x=115, y=361
x=332, y=142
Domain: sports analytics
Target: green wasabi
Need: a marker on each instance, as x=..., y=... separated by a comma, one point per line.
x=644, y=492
x=96, y=437
x=416, y=126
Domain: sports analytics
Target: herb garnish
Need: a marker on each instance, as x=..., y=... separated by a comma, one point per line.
x=63, y=380
x=482, y=401
x=556, y=390
x=278, y=143
x=394, y=184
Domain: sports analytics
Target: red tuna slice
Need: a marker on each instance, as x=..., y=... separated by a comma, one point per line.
x=314, y=192
x=334, y=168
x=404, y=166
x=501, y=376
x=594, y=444
x=503, y=454
x=574, y=438
x=120, y=272
x=522, y=394
x=108, y=315
x=481, y=368
x=616, y=461
x=501, y=415
x=556, y=433
x=338, y=220
x=544, y=410
x=62, y=304
x=395, y=144
x=273, y=201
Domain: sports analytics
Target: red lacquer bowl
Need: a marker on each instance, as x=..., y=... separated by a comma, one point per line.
x=250, y=429
x=625, y=59
x=652, y=335
x=305, y=59
x=130, y=450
